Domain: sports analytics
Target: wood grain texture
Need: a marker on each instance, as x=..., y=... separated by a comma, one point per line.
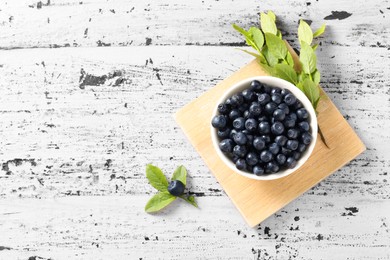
x=68, y=151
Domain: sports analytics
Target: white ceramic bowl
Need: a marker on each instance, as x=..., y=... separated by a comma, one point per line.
x=274, y=82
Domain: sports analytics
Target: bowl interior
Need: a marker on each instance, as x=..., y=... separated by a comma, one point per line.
x=273, y=82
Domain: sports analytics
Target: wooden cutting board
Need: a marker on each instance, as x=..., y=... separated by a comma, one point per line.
x=257, y=200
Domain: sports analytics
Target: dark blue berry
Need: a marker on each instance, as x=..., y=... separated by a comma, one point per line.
x=237, y=99
x=223, y=133
x=276, y=98
x=279, y=115
x=301, y=148
x=272, y=167
x=274, y=148
x=251, y=124
x=284, y=107
x=263, y=99
x=235, y=113
x=235, y=158
x=304, y=126
x=298, y=105
x=286, y=151
x=176, y=188
x=267, y=89
x=277, y=128
x=281, y=159
x=289, y=122
x=262, y=118
x=270, y=107
x=258, y=143
x=275, y=90
x=250, y=139
x=285, y=92
x=240, y=138
x=228, y=102
x=266, y=138
x=264, y=127
x=256, y=86
x=239, y=123
x=291, y=162
x=280, y=140
x=292, y=133
x=293, y=116
x=248, y=95
x=290, y=99
x=233, y=132
x=255, y=109
x=292, y=144
x=306, y=138
x=258, y=170
x=252, y=159
x=219, y=121
x=240, y=150
x=246, y=114
x=226, y=145
x=223, y=109
x=302, y=113
x=266, y=156
x=243, y=107
x=296, y=155
x=241, y=164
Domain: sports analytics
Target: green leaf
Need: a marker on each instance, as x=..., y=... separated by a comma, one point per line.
x=259, y=56
x=247, y=35
x=156, y=178
x=311, y=90
x=190, y=199
x=307, y=58
x=320, y=31
x=268, y=69
x=315, y=104
x=276, y=46
x=290, y=59
x=180, y=174
x=267, y=24
x=257, y=37
x=305, y=33
x=271, y=59
x=314, y=47
x=300, y=86
x=159, y=201
x=286, y=72
x=272, y=15
x=316, y=77
x=279, y=34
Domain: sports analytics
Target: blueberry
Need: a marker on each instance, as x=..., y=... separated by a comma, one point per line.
x=297, y=105
x=243, y=107
x=285, y=92
x=246, y=114
x=246, y=132
x=241, y=164
x=293, y=116
x=302, y=113
x=176, y=188
x=237, y=99
x=226, y=145
x=262, y=118
x=301, y=148
x=223, y=133
x=286, y=151
x=235, y=158
x=292, y=133
x=291, y=144
x=219, y=121
x=263, y=99
x=248, y=95
x=234, y=113
x=251, y=124
x=290, y=99
x=289, y=122
x=233, y=132
x=296, y=155
x=266, y=156
x=274, y=148
x=277, y=98
x=280, y=140
x=291, y=162
x=275, y=90
x=255, y=109
x=239, y=123
x=258, y=170
x=252, y=159
x=223, y=109
x=266, y=138
x=304, y=126
x=258, y=143
x=281, y=159
x=240, y=138
x=240, y=150
x=284, y=107
x=277, y=128
x=272, y=167
x=264, y=127
x=306, y=138
x=279, y=114
x=267, y=89
x=270, y=107
x=256, y=86
x=228, y=102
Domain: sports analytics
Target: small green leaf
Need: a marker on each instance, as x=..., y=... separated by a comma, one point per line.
x=279, y=34
x=180, y=174
x=314, y=47
x=256, y=55
x=271, y=59
x=307, y=58
x=190, y=199
x=316, y=77
x=300, y=86
x=257, y=37
x=304, y=32
x=286, y=72
x=156, y=178
x=270, y=70
x=267, y=24
x=320, y=31
x=272, y=15
x=311, y=91
x=315, y=104
x=276, y=46
x=290, y=59
x=247, y=35
x=159, y=201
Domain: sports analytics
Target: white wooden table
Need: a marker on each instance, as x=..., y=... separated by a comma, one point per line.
x=72, y=182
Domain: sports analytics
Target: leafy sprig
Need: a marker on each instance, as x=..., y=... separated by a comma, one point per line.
x=274, y=57
x=163, y=198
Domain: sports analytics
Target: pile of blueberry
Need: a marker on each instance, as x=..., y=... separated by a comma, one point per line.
x=263, y=129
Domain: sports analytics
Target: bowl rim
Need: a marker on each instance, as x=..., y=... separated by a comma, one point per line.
x=274, y=82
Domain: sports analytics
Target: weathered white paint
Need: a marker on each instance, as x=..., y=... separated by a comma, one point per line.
x=95, y=142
